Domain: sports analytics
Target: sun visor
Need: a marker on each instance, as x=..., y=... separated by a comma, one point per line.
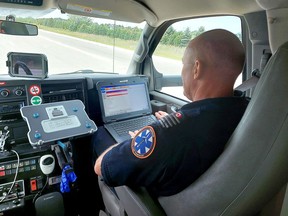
x=268, y=4
x=122, y=10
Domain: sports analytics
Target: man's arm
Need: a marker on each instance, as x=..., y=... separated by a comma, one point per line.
x=97, y=166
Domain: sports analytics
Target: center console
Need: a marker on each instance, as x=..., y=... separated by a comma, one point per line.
x=35, y=150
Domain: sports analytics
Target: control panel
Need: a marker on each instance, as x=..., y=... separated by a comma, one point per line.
x=12, y=191
x=56, y=121
x=10, y=168
x=12, y=91
x=30, y=180
x=11, y=195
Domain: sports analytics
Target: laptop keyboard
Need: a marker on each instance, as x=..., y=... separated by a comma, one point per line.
x=124, y=127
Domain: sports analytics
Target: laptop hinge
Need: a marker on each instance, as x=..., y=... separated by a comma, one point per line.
x=145, y=114
x=111, y=120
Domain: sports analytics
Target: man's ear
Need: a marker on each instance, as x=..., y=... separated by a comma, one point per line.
x=196, y=69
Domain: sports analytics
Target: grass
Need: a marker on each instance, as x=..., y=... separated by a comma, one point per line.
x=162, y=50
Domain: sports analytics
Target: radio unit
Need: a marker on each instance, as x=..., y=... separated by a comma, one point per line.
x=17, y=190
x=11, y=107
x=11, y=119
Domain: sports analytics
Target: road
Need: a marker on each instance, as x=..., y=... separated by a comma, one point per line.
x=68, y=54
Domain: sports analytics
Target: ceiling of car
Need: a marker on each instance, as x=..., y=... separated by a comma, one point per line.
x=157, y=11
x=154, y=12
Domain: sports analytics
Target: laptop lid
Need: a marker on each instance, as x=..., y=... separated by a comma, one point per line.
x=123, y=98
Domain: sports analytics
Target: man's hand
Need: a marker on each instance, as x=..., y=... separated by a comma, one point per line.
x=132, y=134
x=160, y=114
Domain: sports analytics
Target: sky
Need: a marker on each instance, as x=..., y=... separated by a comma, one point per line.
x=230, y=23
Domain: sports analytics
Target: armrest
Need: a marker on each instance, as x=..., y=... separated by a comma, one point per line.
x=137, y=201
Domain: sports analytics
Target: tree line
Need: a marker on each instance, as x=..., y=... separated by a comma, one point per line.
x=86, y=25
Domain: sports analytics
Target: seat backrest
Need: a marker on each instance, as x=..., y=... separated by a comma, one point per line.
x=248, y=174
x=254, y=166
x=129, y=201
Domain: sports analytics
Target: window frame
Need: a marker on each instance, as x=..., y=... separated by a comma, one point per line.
x=160, y=80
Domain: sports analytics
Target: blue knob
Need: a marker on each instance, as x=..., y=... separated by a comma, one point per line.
x=88, y=125
x=75, y=109
x=35, y=115
x=37, y=135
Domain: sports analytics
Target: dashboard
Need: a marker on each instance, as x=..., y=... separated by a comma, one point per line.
x=16, y=93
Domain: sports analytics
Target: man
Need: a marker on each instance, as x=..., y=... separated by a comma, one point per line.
x=170, y=154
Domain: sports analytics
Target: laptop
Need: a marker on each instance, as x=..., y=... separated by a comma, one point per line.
x=125, y=106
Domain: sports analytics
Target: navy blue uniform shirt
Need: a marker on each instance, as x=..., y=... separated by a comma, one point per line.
x=170, y=154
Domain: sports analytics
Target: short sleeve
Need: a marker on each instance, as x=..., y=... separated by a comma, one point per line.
x=132, y=162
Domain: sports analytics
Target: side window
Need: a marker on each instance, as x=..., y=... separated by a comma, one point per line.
x=169, y=52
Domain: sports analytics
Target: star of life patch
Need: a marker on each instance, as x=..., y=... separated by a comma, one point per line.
x=171, y=120
x=144, y=142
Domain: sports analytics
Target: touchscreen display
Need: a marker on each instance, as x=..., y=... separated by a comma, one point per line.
x=27, y=64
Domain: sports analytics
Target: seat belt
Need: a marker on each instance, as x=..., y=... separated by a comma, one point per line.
x=252, y=81
x=284, y=210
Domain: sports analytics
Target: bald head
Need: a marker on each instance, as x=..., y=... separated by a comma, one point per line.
x=219, y=49
x=217, y=57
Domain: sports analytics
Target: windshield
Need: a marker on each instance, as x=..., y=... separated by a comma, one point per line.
x=75, y=43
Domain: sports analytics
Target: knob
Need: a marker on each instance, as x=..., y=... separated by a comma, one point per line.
x=18, y=92
x=16, y=201
x=35, y=115
x=88, y=125
x=5, y=92
x=37, y=135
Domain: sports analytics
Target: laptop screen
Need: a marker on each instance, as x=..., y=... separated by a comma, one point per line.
x=122, y=100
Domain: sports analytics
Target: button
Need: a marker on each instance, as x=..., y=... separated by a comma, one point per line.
x=33, y=185
x=37, y=135
x=16, y=201
x=39, y=183
x=35, y=115
x=33, y=161
x=8, y=172
x=27, y=168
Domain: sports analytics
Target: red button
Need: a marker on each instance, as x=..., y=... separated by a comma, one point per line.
x=33, y=185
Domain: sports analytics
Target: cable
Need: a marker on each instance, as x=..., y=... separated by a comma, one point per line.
x=40, y=192
x=15, y=177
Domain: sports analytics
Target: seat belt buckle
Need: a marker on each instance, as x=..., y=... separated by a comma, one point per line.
x=256, y=73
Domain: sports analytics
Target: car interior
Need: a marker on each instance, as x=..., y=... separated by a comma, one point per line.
x=55, y=54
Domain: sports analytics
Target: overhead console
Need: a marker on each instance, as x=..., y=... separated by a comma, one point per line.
x=24, y=2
